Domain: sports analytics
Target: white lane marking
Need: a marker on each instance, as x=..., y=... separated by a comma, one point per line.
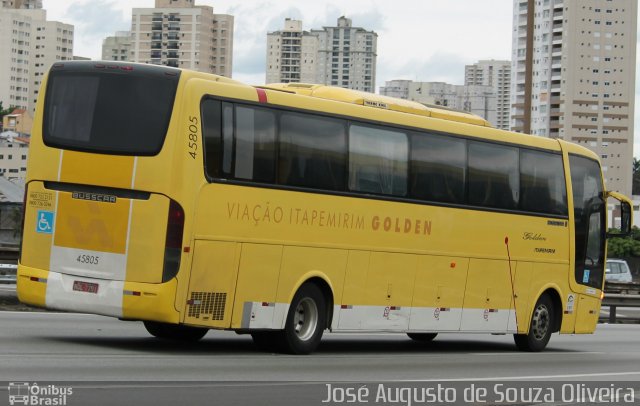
x=554, y=353
x=518, y=378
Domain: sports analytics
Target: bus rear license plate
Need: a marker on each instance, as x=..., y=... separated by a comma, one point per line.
x=85, y=287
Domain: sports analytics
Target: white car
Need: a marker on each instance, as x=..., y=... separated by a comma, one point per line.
x=617, y=271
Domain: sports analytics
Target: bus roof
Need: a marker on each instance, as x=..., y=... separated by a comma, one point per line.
x=377, y=101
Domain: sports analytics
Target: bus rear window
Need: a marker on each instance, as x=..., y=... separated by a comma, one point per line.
x=114, y=111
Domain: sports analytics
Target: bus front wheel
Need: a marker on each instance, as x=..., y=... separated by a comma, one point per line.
x=306, y=320
x=540, y=329
x=175, y=332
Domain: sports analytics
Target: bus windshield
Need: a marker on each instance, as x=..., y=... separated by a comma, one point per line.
x=110, y=109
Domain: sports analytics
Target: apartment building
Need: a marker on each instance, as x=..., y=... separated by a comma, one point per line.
x=497, y=75
x=21, y=4
x=29, y=45
x=476, y=99
x=573, y=66
x=342, y=55
x=117, y=47
x=13, y=157
x=178, y=33
x=292, y=54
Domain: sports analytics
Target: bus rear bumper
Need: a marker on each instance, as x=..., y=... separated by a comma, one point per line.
x=121, y=299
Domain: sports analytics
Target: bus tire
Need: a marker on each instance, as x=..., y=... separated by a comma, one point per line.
x=175, y=332
x=306, y=321
x=422, y=337
x=540, y=327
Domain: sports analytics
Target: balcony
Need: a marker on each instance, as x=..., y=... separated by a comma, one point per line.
x=156, y=27
x=156, y=45
x=172, y=55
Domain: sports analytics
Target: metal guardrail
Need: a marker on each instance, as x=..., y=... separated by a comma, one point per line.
x=615, y=300
x=8, y=273
x=621, y=294
x=631, y=288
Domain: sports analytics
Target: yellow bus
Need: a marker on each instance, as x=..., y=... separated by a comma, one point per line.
x=191, y=202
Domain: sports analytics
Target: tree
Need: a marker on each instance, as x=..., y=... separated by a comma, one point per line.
x=635, y=189
x=4, y=112
x=623, y=247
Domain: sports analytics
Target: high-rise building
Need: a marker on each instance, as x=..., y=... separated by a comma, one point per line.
x=22, y=4
x=29, y=45
x=573, y=66
x=292, y=54
x=476, y=99
x=343, y=55
x=117, y=47
x=497, y=75
x=180, y=34
x=398, y=88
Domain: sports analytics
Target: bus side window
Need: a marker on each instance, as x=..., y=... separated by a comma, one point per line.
x=493, y=175
x=378, y=160
x=255, y=135
x=212, y=136
x=438, y=166
x=542, y=182
x=312, y=152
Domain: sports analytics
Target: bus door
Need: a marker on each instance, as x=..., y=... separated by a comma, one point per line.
x=589, y=217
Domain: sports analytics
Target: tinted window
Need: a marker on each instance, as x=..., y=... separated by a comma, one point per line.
x=377, y=161
x=211, y=113
x=542, y=183
x=111, y=111
x=438, y=167
x=255, y=134
x=493, y=175
x=312, y=152
x=227, y=137
x=589, y=211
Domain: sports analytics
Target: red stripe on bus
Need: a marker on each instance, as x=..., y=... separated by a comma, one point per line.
x=262, y=95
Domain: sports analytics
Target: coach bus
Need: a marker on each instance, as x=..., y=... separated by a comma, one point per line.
x=192, y=202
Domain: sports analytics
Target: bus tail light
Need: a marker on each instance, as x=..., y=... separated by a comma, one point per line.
x=173, y=241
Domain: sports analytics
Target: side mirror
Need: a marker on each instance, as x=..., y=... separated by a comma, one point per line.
x=626, y=215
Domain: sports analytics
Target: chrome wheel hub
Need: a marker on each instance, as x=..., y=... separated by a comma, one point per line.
x=305, y=319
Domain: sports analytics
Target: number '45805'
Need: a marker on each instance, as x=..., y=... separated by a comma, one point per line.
x=193, y=136
x=88, y=259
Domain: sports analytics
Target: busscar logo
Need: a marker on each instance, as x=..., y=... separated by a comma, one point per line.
x=32, y=394
x=95, y=197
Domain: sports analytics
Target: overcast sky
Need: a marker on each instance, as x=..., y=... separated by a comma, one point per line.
x=417, y=39
x=423, y=40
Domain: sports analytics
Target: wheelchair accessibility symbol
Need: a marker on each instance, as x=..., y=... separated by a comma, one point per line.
x=45, y=222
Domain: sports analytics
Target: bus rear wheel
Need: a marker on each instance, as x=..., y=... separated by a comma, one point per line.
x=540, y=329
x=175, y=332
x=306, y=321
x=422, y=337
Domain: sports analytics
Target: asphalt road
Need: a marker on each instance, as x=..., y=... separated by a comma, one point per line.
x=123, y=364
